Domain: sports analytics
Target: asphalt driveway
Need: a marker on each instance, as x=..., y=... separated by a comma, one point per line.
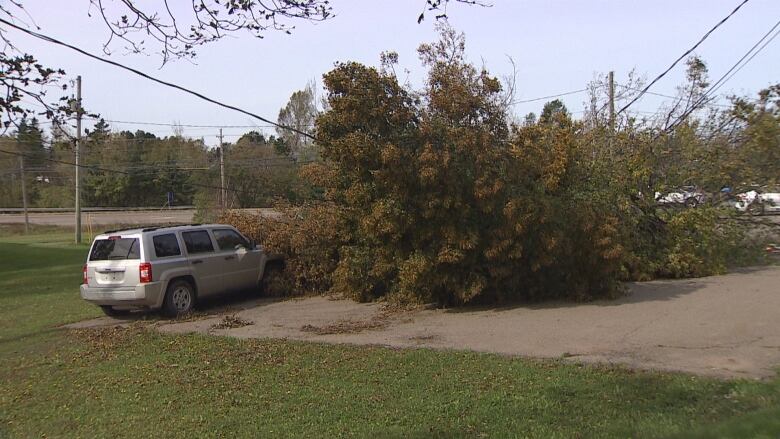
x=724, y=326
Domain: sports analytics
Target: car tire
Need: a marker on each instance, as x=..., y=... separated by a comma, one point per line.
x=179, y=298
x=691, y=202
x=113, y=312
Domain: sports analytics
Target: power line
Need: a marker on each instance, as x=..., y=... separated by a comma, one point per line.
x=49, y=39
x=178, y=125
x=749, y=59
x=514, y=102
x=687, y=52
x=665, y=95
x=116, y=171
x=725, y=77
x=184, y=125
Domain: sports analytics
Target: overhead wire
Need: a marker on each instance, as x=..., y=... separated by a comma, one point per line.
x=749, y=59
x=184, y=125
x=686, y=53
x=726, y=76
x=525, y=101
x=666, y=95
x=52, y=40
x=115, y=171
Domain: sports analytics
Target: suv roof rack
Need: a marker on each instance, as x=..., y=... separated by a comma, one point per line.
x=115, y=230
x=151, y=228
x=168, y=226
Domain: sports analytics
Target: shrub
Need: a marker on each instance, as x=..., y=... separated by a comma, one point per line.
x=445, y=204
x=703, y=242
x=309, y=237
x=432, y=197
x=681, y=243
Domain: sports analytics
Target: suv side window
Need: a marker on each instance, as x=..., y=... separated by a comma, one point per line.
x=228, y=239
x=166, y=245
x=197, y=241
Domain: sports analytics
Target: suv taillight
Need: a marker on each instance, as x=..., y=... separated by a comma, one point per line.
x=145, y=272
x=84, y=279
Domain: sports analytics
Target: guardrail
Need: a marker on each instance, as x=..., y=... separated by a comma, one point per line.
x=89, y=209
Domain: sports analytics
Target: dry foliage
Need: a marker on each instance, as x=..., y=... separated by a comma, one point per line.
x=446, y=204
x=432, y=196
x=309, y=238
x=106, y=340
x=230, y=322
x=349, y=326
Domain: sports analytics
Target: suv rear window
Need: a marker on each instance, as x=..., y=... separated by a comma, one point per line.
x=197, y=242
x=166, y=245
x=115, y=249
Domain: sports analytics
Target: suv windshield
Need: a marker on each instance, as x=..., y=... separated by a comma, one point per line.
x=110, y=249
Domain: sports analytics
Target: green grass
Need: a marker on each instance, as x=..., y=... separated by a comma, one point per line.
x=39, y=277
x=135, y=382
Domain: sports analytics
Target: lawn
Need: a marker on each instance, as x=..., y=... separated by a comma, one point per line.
x=135, y=382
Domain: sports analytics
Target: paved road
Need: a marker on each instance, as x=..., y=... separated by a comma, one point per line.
x=103, y=218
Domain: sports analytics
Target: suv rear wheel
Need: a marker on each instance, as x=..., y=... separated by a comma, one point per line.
x=179, y=298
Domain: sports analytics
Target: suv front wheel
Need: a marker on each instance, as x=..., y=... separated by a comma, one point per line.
x=179, y=298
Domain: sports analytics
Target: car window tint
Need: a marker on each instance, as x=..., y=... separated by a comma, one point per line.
x=166, y=245
x=197, y=242
x=114, y=249
x=229, y=240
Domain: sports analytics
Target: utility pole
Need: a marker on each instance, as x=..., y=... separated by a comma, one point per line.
x=223, y=189
x=611, y=79
x=24, y=195
x=78, y=164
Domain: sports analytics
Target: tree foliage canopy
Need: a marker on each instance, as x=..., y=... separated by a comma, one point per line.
x=445, y=202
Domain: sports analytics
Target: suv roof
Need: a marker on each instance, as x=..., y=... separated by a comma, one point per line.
x=171, y=227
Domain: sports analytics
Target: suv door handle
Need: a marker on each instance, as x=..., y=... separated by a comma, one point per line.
x=227, y=258
x=197, y=261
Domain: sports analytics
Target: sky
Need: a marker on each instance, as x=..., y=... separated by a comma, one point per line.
x=557, y=46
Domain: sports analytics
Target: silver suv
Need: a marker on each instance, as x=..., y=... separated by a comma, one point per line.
x=169, y=268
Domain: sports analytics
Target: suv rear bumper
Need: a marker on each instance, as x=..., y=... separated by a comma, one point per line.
x=148, y=295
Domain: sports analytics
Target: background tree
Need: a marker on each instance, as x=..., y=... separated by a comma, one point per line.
x=552, y=111
x=29, y=138
x=759, y=152
x=139, y=169
x=259, y=174
x=299, y=113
